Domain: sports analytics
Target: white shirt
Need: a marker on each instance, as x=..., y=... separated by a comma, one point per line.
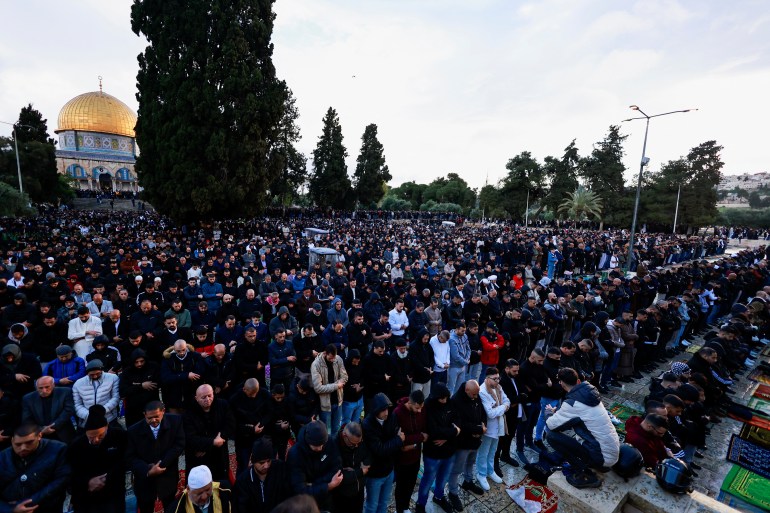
x=440, y=354
x=397, y=320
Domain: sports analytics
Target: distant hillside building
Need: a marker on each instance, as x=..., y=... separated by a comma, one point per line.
x=746, y=181
x=97, y=145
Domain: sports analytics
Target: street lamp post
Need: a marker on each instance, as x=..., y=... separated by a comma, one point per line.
x=644, y=162
x=16, y=149
x=676, y=211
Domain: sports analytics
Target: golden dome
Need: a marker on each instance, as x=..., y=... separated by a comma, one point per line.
x=97, y=112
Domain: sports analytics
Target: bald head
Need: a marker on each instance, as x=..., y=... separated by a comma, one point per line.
x=472, y=388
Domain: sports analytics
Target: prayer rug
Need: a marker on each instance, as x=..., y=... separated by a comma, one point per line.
x=763, y=392
x=756, y=420
x=692, y=349
x=748, y=486
x=756, y=435
x=735, y=502
x=759, y=376
x=758, y=404
x=749, y=456
x=534, y=491
x=623, y=412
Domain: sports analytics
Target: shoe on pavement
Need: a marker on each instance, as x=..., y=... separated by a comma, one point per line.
x=498, y=470
x=615, y=384
x=685, y=343
x=483, y=482
x=540, y=445
x=522, y=457
x=418, y=508
x=496, y=478
x=510, y=461
x=455, y=501
x=637, y=375
x=443, y=503
x=472, y=487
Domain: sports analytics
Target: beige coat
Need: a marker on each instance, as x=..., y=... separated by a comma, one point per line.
x=321, y=383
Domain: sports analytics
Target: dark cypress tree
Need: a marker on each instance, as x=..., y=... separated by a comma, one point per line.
x=210, y=106
x=371, y=173
x=329, y=183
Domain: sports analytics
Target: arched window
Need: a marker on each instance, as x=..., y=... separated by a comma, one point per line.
x=76, y=171
x=123, y=174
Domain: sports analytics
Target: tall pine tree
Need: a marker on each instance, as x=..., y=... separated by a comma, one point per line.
x=329, y=184
x=285, y=189
x=210, y=106
x=371, y=173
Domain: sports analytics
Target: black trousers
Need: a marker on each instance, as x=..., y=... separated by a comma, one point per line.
x=504, y=445
x=406, y=478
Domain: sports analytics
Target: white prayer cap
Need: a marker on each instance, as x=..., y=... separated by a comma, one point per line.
x=199, y=477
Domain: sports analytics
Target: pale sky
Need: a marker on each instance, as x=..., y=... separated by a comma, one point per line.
x=454, y=86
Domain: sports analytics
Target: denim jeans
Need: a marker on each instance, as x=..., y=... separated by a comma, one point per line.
x=332, y=420
x=378, y=492
x=463, y=464
x=437, y=470
x=455, y=376
x=573, y=451
x=438, y=377
x=474, y=371
x=540, y=426
x=485, y=456
x=610, y=364
x=351, y=411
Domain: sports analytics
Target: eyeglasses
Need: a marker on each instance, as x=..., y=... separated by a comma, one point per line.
x=494, y=378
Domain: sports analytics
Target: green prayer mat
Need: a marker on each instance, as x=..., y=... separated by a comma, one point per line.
x=623, y=412
x=748, y=486
x=760, y=404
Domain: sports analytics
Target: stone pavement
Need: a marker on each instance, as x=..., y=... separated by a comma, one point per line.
x=715, y=466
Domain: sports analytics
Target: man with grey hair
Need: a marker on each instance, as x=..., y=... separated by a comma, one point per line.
x=441, y=357
x=51, y=408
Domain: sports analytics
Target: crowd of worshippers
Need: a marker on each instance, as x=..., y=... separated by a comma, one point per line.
x=334, y=383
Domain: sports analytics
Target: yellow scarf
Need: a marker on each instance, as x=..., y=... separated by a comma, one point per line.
x=216, y=502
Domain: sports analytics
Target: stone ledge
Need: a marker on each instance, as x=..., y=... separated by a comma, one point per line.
x=608, y=498
x=642, y=492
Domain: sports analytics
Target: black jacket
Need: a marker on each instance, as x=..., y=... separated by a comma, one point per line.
x=47, y=474
x=421, y=359
x=88, y=461
x=144, y=451
x=382, y=440
x=251, y=496
x=470, y=416
x=535, y=378
x=351, y=459
x=131, y=379
x=375, y=368
x=440, y=419
x=248, y=413
x=310, y=471
x=201, y=428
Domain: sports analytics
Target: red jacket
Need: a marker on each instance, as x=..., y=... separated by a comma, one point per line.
x=413, y=425
x=490, y=349
x=652, y=448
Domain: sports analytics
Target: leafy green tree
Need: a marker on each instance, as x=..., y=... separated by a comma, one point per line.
x=329, y=184
x=285, y=188
x=210, y=106
x=37, y=158
x=602, y=172
x=395, y=204
x=491, y=202
x=581, y=205
x=525, y=174
x=698, y=204
x=371, y=173
x=31, y=126
x=13, y=203
x=755, y=201
x=411, y=192
x=451, y=189
x=562, y=175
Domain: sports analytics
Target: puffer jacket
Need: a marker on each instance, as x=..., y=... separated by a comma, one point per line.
x=495, y=413
x=105, y=391
x=280, y=367
x=47, y=474
x=582, y=410
x=323, y=386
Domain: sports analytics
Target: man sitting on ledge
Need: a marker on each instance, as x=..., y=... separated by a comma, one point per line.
x=583, y=412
